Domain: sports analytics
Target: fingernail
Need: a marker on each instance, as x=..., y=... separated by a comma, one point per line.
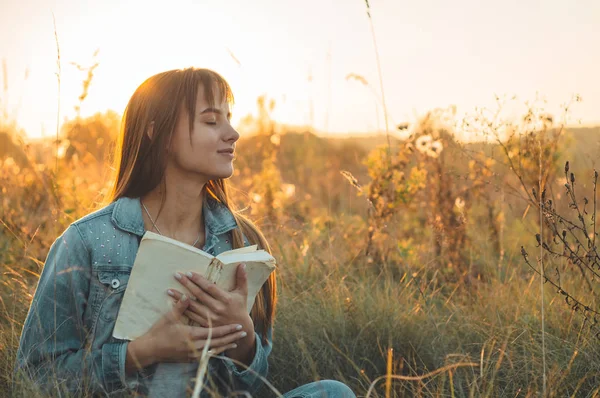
x=170, y=293
x=234, y=345
x=243, y=334
x=238, y=327
x=183, y=297
x=178, y=276
x=244, y=266
x=189, y=275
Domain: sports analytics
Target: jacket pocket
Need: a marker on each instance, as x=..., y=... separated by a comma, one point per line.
x=113, y=280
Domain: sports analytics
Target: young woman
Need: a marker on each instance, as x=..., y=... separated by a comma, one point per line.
x=173, y=157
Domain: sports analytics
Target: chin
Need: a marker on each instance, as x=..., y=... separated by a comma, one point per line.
x=222, y=174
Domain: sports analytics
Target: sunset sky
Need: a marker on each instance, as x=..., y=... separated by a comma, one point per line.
x=434, y=53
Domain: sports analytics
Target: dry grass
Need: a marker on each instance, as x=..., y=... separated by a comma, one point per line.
x=398, y=312
x=401, y=272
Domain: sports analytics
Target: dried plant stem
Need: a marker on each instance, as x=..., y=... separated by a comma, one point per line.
x=542, y=272
x=419, y=378
x=58, y=74
x=571, y=300
x=328, y=109
x=595, y=209
x=385, y=112
x=388, y=380
x=203, y=365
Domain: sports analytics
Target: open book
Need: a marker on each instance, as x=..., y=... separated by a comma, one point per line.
x=157, y=260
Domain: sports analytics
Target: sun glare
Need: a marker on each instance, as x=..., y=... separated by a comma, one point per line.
x=294, y=56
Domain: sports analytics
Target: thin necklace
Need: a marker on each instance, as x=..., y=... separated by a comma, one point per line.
x=158, y=230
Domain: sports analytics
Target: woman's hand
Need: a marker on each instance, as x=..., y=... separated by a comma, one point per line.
x=169, y=340
x=211, y=302
x=221, y=308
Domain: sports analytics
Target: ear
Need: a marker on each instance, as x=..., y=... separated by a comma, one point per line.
x=150, y=130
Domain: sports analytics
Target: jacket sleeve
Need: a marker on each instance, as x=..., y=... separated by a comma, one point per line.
x=252, y=378
x=53, y=349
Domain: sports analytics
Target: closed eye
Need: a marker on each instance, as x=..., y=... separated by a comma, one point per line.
x=216, y=112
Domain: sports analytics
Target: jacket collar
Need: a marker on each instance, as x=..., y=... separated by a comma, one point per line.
x=127, y=215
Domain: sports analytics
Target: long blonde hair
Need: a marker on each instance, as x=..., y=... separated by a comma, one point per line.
x=140, y=162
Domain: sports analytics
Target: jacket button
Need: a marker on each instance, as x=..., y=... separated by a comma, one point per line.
x=115, y=283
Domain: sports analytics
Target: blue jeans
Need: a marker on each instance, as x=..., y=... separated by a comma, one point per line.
x=321, y=389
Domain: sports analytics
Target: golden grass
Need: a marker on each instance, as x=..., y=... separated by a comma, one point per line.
x=394, y=323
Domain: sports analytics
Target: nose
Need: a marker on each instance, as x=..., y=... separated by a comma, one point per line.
x=232, y=135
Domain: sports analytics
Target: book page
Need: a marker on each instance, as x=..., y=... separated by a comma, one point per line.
x=258, y=256
x=259, y=266
x=246, y=249
x=158, y=258
x=145, y=299
x=149, y=235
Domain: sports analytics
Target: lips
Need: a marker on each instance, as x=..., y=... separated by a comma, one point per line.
x=228, y=150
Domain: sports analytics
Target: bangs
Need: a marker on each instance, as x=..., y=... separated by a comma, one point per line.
x=215, y=87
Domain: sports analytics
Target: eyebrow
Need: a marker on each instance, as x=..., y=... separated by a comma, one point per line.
x=215, y=110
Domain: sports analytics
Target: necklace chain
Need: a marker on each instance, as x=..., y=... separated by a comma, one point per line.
x=158, y=230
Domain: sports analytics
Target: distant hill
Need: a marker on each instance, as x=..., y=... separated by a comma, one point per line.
x=368, y=142
x=583, y=144
x=584, y=147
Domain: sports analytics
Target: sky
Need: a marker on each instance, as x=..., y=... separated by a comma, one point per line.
x=433, y=53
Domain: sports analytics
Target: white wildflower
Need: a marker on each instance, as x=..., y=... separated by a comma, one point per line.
x=289, y=190
x=423, y=143
x=437, y=146
x=459, y=203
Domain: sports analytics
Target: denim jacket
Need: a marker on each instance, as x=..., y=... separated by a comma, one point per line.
x=67, y=337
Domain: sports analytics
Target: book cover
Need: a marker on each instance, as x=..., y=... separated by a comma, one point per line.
x=159, y=257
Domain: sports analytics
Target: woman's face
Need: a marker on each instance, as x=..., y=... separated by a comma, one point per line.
x=208, y=149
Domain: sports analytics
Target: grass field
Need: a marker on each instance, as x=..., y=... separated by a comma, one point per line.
x=402, y=276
